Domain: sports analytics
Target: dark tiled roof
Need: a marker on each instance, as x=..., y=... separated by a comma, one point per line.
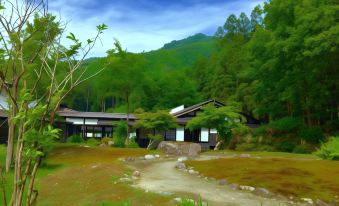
x=197, y=106
x=98, y=115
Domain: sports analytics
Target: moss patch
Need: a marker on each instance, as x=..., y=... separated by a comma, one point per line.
x=287, y=176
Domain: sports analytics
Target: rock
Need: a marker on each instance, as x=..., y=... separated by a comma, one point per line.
x=223, y=182
x=245, y=155
x=192, y=172
x=308, y=200
x=182, y=159
x=149, y=157
x=319, y=202
x=130, y=159
x=180, y=200
x=177, y=199
x=157, y=156
x=125, y=179
x=234, y=186
x=180, y=165
x=136, y=174
x=248, y=188
x=262, y=192
x=180, y=148
x=165, y=193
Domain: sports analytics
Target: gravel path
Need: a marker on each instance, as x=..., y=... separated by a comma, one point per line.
x=161, y=176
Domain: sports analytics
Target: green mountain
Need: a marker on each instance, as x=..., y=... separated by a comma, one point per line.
x=180, y=54
x=164, y=81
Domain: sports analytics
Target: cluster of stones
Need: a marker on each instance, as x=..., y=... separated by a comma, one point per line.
x=146, y=157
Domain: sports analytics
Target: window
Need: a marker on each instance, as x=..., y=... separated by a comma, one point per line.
x=180, y=134
x=204, y=134
x=213, y=131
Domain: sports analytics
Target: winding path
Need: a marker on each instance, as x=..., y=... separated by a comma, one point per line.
x=161, y=176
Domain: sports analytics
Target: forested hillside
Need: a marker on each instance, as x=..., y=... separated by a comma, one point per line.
x=159, y=79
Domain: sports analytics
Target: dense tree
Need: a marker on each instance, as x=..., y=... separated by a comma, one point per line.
x=36, y=74
x=283, y=64
x=223, y=119
x=156, y=123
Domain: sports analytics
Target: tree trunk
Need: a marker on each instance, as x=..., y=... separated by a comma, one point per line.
x=219, y=144
x=149, y=144
x=127, y=118
x=10, y=143
x=3, y=187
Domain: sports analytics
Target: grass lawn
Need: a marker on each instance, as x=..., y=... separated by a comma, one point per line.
x=282, y=173
x=77, y=175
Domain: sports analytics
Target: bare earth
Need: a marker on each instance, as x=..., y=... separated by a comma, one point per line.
x=161, y=176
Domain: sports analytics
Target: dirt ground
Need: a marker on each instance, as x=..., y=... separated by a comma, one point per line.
x=161, y=176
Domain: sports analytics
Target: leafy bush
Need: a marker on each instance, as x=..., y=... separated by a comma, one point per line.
x=260, y=130
x=118, y=141
x=241, y=130
x=265, y=148
x=121, y=129
x=286, y=124
x=92, y=141
x=120, y=134
x=330, y=149
x=75, y=139
x=312, y=135
x=302, y=149
x=254, y=147
x=246, y=147
x=132, y=144
x=285, y=146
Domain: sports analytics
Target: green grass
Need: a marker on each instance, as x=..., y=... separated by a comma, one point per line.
x=78, y=175
x=282, y=173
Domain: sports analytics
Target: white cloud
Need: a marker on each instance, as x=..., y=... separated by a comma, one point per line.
x=141, y=30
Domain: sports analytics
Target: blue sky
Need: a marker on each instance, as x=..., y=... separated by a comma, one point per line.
x=144, y=25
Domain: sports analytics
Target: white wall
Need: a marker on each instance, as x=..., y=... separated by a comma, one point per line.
x=204, y=135
x=180, y=134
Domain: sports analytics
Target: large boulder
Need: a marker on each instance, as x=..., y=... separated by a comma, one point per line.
x=180, y=148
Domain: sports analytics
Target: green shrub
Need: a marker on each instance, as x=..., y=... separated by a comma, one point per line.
x=265, y=148
x=302, y=149
x=92, y=142
x=260, y=130
x=246, y=147
x=120, y=134
x=286, y=124
x=330, y=149
x=132, y=143
x=120, y=129
x=118, y=141
x=75, y=139
x=285, y=146
x=311, y=135
x=254, y=147
x=241, y=130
